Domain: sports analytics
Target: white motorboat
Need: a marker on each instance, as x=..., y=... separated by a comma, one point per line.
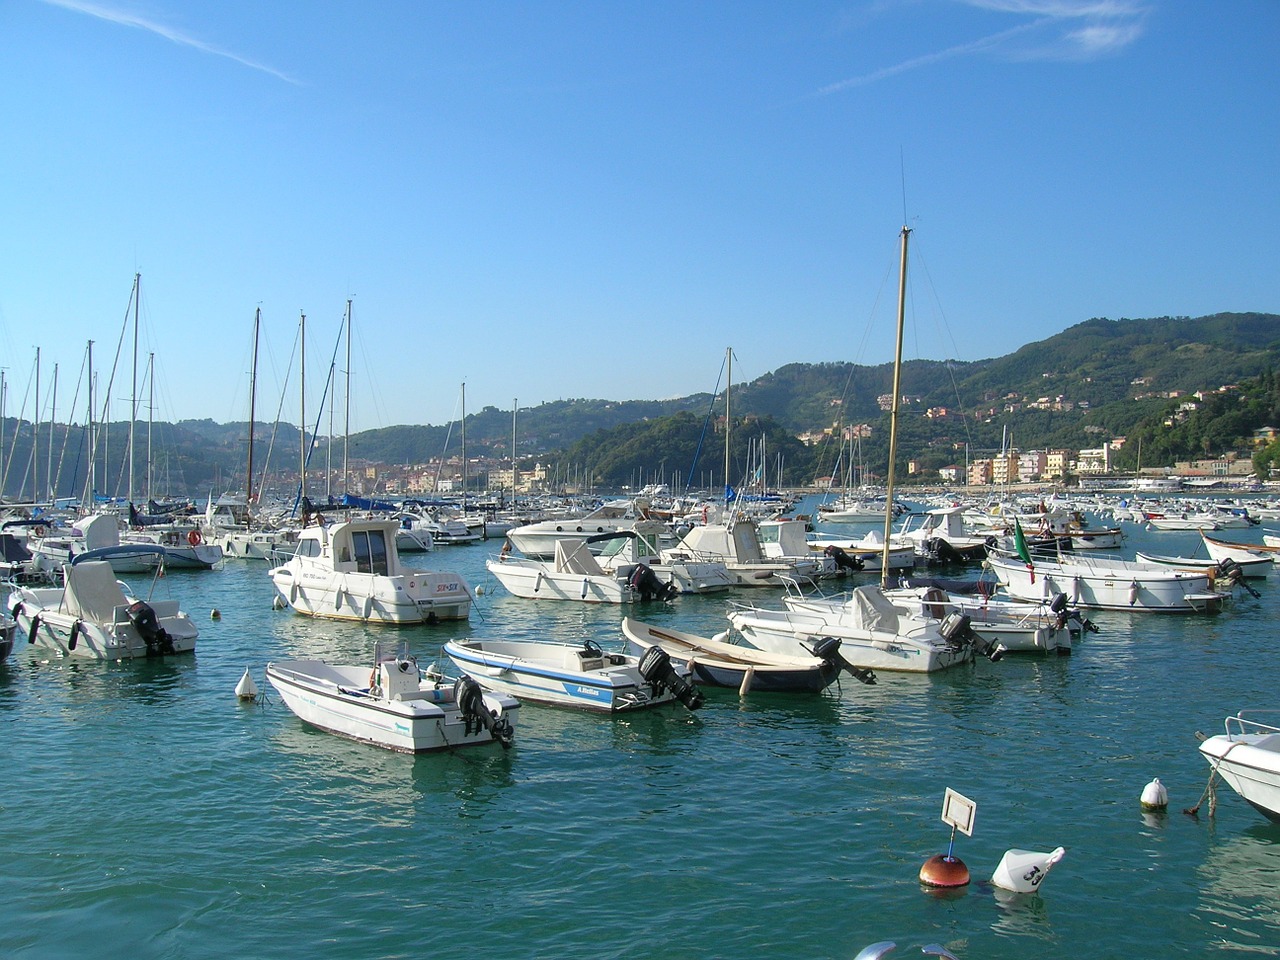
x=576, y=574
x=98, y=533
x=538, y=540
x=873, y=633
x=352, y=571
x=942, y=537
x=1015, y=627
x=625, y=550
x=737, y=545
x=568, y=675
x=91, y=615
x=394, y=706
x=866, y=553
x=718, y=663
x=1105, y=583
x=1247, y=757
x=184, y=547
x=1222, y=575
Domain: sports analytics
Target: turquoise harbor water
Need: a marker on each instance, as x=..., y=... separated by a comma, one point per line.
x=146, y=813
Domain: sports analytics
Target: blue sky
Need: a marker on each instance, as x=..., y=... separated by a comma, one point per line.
x=553, y=200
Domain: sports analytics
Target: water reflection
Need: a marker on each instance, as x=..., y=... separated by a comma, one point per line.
x=1240, y=893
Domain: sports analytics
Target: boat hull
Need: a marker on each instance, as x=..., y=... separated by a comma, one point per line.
x=1104, y=584
x=559, y=675
x=1250, y=765
x=720, y=664
x=117, y=639
x=337, y=699
x=534, y=580
x=422, y=596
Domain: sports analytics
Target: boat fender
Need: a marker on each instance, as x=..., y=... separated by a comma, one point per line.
x=655, y=667
x=1133, y=592
x=15, y=610
x=35, y=627
x=75, y=634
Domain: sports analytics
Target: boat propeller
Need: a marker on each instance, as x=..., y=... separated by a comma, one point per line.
x=656, y=668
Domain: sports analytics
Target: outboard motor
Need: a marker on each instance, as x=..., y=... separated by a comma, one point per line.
x=956, y=630
x=1230, y=571
x=646, y=583
x=144, y=620
x=842, y=559
x=475, y=714
x=656, y=668
x=828, y=649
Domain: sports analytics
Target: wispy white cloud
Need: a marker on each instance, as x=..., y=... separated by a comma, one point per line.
x=126, y=19
x=1059, y=30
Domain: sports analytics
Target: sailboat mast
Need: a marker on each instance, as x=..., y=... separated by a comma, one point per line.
x=515, y=404
x=93, y=434
x=302, y=442
x=133, y=393
x=253, y=399
x=346, y=429
x=151, y=407
x=464, y=450
x=53, y=415
x=893, y=414
x=728, y=388
x=35, y=439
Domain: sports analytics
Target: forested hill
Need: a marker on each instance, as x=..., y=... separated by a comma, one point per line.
x=1099, y=379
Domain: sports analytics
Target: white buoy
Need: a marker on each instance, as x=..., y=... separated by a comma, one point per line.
x=277, y=602
x=480, y=590
x=215, y=614
x=1023, y=870
x=1155, y=796
x=246, y=689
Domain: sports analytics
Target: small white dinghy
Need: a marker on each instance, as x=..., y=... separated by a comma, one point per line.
x=575, y=675
x=393, y=706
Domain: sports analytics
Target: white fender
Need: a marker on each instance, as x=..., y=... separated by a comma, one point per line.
x=1022, y=871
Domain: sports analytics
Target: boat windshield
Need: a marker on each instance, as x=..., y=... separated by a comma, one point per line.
x=370, y=548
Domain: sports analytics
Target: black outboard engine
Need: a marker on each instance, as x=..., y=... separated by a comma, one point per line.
x=828, y=649
x=1230, y=571
x=956, y=630
x=656, y=668
x=144, y=620
x=842, y=559
x=475, y=714
x=646, y=583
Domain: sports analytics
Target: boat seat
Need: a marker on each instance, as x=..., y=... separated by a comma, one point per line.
x=92, y=592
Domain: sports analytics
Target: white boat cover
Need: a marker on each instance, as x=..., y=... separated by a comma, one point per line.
x=870, y=609
x=92, y=592
x=572, y=556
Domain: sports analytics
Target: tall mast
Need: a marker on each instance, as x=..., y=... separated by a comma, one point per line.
x=346, y=428
x=151, y=407
x=893, y=415
x=93, y=435
x=4, y=466
x=515, y=405
x=253, y=398
x=53, y=415
x=302, y=417
x=133, y=393
x=728, y=388
x=35, y=439
x=464, y=450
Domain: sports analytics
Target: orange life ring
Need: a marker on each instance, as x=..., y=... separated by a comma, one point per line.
x=38, y=531
x=193, y=538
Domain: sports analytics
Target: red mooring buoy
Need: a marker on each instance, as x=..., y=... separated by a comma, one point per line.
x=944, y=871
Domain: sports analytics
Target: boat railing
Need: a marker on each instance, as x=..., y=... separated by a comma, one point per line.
x=1240, y=725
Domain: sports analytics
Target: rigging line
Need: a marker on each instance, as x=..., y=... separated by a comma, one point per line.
x=320, y=411
x=275, y=427
x=13, y=441
x=945, y=327
x=710, y=410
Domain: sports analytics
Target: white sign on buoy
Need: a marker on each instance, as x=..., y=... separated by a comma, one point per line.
x=958, y=811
